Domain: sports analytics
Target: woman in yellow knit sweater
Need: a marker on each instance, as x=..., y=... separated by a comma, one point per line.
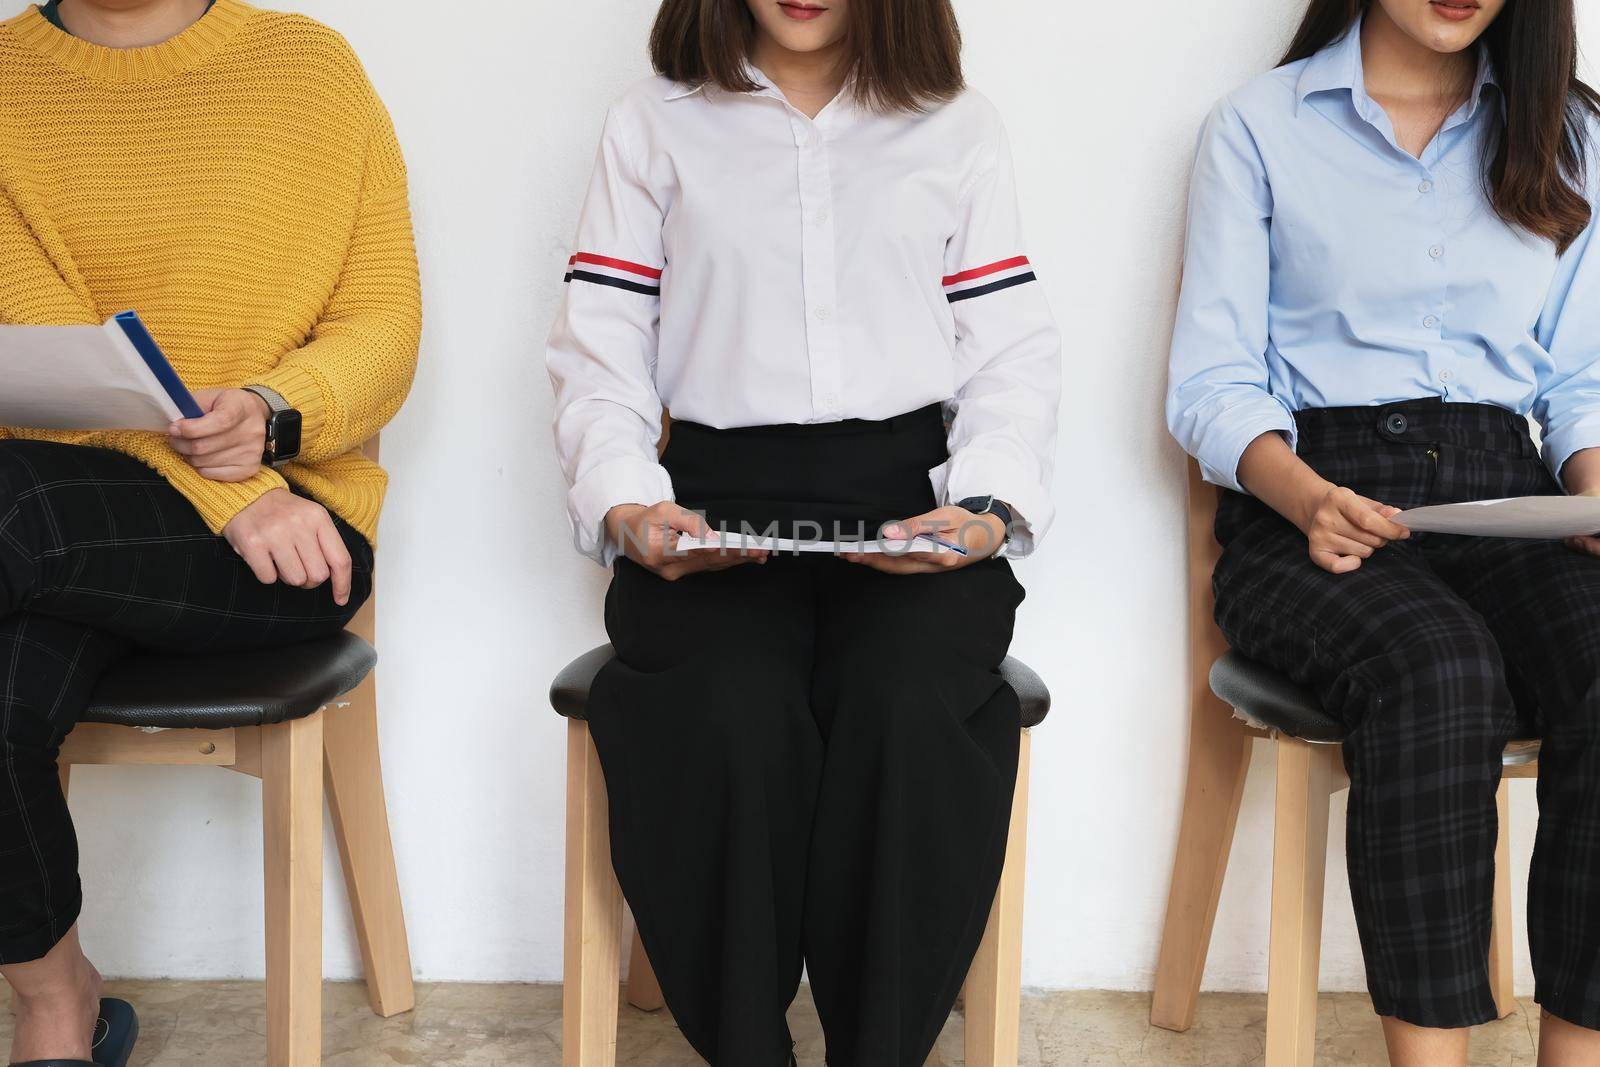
x=229, y=173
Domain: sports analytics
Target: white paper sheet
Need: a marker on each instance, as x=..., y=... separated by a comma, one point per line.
x=734, y=542
x=78, y=378
x=1534, y=517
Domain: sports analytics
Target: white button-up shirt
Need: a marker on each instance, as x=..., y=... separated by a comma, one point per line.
x=745, y=265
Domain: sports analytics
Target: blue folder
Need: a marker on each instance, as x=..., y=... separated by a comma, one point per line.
x=153, y=358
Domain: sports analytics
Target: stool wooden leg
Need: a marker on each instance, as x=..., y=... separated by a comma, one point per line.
x=291, y=801
x=591, y=979
x=361, y=827
x=1502, y=977
x=994, y=984
x=1219, y=762
x=644, y=992
x=1299, y=865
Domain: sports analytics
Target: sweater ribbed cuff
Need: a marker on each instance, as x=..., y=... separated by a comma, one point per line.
x=303, y=393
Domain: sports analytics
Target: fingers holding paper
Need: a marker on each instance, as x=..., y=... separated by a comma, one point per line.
x=649, y=537
x=970, y=538
x=227, y=443
x=1346, y=528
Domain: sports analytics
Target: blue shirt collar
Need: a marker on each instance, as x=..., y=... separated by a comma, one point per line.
x=1339, y=66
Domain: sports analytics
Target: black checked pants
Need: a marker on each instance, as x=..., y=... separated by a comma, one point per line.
x=1434, y=654
x=100, y=556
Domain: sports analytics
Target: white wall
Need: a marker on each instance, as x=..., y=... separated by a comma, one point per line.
x=499, y=105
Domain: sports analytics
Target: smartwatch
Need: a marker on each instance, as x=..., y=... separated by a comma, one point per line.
x=283, y=427
x=990, y=505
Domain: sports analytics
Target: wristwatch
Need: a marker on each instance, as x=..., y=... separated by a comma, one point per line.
x=283, y=427
x=990, y=505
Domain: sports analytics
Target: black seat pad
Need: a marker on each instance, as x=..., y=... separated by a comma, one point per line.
x=569, y=693
x=231, y=689
x=1267, y=698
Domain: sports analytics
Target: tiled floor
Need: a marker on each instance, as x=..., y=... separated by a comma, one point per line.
x=220, y=1024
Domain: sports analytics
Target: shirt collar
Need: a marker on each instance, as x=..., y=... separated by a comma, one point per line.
x=764, y=87
x=679, y=90
x=1338, y=66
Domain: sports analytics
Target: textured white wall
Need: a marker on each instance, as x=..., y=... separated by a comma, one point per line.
x=499, y=105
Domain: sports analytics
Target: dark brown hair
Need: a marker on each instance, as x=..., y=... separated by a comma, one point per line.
x=906, y=54
x=1534, y=161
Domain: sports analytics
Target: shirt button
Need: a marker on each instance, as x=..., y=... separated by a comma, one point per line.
x=1435, y=251
x=821, y=314
x=1447, y=376
x=820, y=217
x=1425, y=187
x=1431, y=321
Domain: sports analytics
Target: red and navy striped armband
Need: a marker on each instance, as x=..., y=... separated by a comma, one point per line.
x=990, y=278
x=618, y=273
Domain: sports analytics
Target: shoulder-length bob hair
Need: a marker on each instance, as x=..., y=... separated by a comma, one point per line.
x=1534, y=162
x=905, y=54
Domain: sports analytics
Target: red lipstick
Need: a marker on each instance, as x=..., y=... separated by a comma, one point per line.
x=1455, y=10
x=801, y=12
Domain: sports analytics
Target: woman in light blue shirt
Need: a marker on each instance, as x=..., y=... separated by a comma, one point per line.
x=1391, y=263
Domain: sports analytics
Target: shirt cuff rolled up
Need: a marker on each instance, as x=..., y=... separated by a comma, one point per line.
x=1220, y=453
x=1562, y=444
x=618, y=481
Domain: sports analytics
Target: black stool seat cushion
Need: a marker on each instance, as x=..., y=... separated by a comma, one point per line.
x=215, y=692
x=1264, y=697
x=569, y=693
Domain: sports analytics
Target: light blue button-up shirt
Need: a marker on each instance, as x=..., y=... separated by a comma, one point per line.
x=1327, y=267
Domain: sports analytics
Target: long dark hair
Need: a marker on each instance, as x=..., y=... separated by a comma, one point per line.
x=1534, y=161
x=906, y=54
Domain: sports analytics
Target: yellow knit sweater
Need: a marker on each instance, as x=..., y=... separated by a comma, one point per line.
x=241, y=188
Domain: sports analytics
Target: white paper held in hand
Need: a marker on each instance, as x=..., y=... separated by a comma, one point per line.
x=736, y=542
x=1544, y=518
x=110, y=377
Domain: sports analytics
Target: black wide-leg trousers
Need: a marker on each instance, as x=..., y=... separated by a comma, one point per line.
x=1434, y=654
x=99, y=557
x=809, y=763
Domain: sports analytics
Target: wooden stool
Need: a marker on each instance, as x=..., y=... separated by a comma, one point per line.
x=292, y=717
x=593, y=950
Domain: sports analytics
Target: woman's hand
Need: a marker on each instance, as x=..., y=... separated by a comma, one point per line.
x=649, y=537
x=225, y=444
x=980, y=535
x=1343, y=528
x=289, y=539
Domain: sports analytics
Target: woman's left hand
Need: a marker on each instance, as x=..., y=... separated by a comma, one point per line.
x=227, y=443
x=980, y=535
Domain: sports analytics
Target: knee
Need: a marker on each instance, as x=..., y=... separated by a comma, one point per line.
x=1442, y=683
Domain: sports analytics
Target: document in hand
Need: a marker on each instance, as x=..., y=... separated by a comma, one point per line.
x=1536, y=517
x=110, y=377
x=735, y=542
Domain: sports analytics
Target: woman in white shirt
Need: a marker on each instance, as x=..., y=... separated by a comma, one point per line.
x=802, y=239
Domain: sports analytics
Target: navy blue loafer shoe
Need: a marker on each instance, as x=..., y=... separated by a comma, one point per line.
x=114, y=1033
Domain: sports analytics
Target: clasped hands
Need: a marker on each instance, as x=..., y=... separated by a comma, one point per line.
x=648, y=535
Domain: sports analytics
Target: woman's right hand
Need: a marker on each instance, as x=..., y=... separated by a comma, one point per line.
x=649, y=537
x=1343, y=528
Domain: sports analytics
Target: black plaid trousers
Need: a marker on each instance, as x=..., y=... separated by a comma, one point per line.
x=1433, y=654
x=100, y=556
